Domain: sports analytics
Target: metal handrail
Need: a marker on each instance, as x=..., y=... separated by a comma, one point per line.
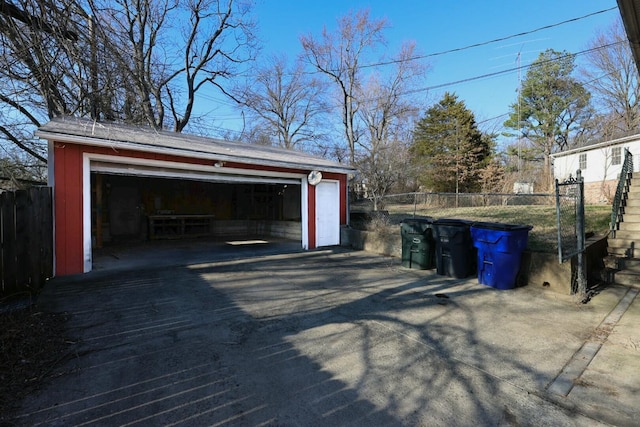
x=621, y=190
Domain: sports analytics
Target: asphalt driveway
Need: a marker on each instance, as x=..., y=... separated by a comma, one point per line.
x=335, y=338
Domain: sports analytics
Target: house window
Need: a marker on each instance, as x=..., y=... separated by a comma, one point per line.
x=582, y=160
x=616, y=155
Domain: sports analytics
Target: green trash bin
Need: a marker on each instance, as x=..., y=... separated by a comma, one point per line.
x=418, y=246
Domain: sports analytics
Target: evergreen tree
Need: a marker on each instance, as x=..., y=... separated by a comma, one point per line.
x=449, y=149
x=553, y=106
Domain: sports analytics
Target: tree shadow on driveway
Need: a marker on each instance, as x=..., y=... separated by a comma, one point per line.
x=314, y=338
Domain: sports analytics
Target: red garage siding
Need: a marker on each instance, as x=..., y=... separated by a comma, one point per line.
x=311, y=201
x=343, y=194
x=68, y=209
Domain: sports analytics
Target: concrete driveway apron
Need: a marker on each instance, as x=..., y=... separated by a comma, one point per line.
x=331, y=338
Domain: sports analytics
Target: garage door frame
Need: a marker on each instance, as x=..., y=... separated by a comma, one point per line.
x=123, y=165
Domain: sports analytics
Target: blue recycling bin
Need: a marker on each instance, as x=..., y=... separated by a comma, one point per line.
x=500, y=248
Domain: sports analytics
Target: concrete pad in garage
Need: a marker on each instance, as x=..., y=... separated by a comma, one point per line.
x=326, y=338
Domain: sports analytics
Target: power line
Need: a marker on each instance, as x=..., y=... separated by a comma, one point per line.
x=502, y=72
x=510, y=70
x=500, y=39
x=498, y=73
x=471, y=46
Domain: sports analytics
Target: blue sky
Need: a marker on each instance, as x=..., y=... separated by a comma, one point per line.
x=442, y=25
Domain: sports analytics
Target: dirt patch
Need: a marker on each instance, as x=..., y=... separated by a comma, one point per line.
x=33, y=343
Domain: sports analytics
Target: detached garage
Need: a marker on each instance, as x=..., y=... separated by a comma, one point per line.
x=114, y=183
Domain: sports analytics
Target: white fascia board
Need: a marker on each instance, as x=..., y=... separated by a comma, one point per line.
x=209, y=177
x=186, y=167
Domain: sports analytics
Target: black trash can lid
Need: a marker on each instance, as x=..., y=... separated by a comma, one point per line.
x=453, y=222
x=420, y=220
x=499, y=226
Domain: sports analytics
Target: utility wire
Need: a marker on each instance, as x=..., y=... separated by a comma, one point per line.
x=499, y=73
x=500, y=39
x=471, y=46
x=509, y=70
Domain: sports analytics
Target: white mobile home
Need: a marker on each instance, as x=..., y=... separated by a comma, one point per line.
x=600, y=164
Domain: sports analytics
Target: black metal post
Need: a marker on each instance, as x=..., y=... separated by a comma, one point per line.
x=559, y=224
x=580, y=235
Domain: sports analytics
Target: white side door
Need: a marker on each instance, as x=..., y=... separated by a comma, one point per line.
x=328, y=213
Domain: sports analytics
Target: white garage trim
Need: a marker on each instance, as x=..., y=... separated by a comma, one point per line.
x=134, y=161
x=92, y=162
x=86, y=213
x=304, y=206
x=183, y=174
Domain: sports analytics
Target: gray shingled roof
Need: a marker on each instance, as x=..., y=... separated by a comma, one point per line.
x=139, y=138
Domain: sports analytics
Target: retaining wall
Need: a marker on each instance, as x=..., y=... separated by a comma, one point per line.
x=537, y=269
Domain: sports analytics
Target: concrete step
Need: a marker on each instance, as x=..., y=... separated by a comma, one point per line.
x=627, y=235
x=634, y=187
x=627, y=278
x=631, y=265
x=623, y=247
x=631, y=215
x=616, y=252
x=632, y=201
x=630, y=204
x=629, y=226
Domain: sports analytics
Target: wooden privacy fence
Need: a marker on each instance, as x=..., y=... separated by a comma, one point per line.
x=26, y=234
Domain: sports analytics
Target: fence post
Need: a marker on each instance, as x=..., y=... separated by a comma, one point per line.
x=580, y=235
x=559, y=222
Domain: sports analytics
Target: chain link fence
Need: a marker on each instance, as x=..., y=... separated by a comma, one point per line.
x=537, y=210
x=571, y=228
x=473, y=206
x=567, y=214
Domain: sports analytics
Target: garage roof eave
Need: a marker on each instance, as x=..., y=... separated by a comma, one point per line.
x=617, y=141
x=124, y=137
x=630, y=14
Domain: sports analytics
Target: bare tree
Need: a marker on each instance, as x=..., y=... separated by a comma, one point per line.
x=338, y=55
x=123, y=60
x=286, y=101
x=40, y=74
x=170, y=63
x=612, y=77
x=387, y=115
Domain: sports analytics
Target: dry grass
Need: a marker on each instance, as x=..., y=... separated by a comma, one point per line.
x=543, y=236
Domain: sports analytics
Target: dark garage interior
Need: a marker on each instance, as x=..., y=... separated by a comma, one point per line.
x=127, y=209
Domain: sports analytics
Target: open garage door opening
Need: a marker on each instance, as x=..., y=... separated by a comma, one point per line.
x=154, y=213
